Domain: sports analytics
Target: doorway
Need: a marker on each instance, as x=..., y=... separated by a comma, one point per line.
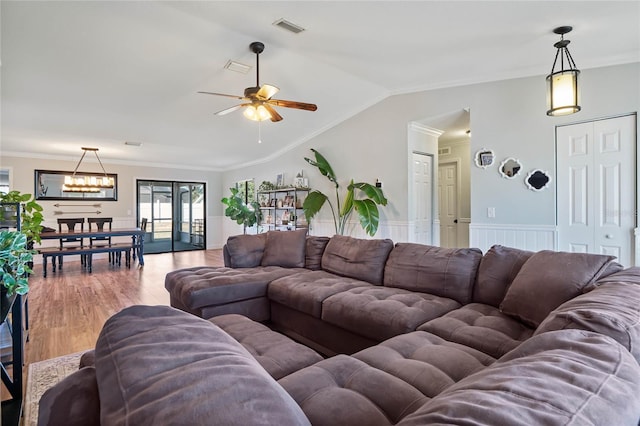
x=448, y=195
x=596, y=189
x=422, y=196
x=175, y=213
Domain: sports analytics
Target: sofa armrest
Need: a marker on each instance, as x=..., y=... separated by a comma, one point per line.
x=226, y=256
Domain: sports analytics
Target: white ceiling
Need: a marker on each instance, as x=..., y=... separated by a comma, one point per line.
x=99, y=73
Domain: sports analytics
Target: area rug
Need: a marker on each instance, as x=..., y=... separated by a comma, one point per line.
x=43, y=375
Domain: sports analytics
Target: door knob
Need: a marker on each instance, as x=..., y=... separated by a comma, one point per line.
x=609, y=236
x=455, y=220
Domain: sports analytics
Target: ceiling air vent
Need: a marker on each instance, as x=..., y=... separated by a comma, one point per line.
x=444, y=151
x=289, y=26
x=237, y=67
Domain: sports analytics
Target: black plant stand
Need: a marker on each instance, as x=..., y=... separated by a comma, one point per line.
x=12, y=408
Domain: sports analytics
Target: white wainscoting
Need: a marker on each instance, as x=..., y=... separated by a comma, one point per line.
x=525, y=237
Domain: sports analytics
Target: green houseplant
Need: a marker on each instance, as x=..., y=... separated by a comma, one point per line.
x=31, y=214
x=243, y=213
x=366, y=207
x=15, y=261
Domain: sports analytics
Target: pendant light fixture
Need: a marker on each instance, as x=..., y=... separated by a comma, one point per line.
x=87, y=182
x=562, y=85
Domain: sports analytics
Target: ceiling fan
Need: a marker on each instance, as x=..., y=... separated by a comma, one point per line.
x=259, y=105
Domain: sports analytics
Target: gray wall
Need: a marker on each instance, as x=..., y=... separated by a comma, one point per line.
x=507, y=116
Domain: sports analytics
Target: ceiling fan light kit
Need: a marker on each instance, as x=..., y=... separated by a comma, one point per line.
x=259, y=103
x=562, y=85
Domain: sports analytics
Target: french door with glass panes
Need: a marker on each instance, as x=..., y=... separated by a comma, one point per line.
x=175, y=213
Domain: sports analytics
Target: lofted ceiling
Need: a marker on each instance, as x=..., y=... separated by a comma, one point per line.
x=99, y=73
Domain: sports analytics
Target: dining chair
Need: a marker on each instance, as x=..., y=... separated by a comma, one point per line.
x=69, y=225
x=99, y=224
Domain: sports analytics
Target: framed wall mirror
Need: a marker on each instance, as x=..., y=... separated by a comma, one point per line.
x=537, y=180
x=48, y=186
x=484, y=158
x=510, y=168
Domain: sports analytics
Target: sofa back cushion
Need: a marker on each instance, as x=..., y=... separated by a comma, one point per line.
x=245, y=251
x=159, y=365
x=612, y=309
x=498, y=267
x=444, y=272
x=357, y=258
x=314, y=251
x=285, y=248
x=547, y=280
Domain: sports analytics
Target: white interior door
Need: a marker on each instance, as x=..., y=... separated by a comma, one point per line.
x=422, y=198
x=448, y=204
x=596, y=187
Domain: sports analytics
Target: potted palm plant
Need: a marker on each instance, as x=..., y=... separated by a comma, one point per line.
x=366, y=207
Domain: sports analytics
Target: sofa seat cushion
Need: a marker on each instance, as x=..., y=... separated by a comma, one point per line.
x=425, y=361
x=204, y=285
x=278, y=354
x=445, y=272
x=612, y=309
x=159, y=365
x=382, y=312
x=305, y=293
x=481, y=327
x=568, y=377
x=357, y=258
x=345, y=391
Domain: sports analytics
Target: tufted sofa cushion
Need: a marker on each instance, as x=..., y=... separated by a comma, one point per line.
x=345, y=391
x=481, y=327
x=158, y=365
x=444, y=272
x=425, y=361
x=612, y=309
x=357, y=258
x=498, y=267
x=278, y=354
x=203, y=285
x=568, y=377
x=305, y=293
x=382, y=312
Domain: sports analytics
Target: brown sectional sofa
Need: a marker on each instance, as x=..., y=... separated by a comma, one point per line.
x=425, y=335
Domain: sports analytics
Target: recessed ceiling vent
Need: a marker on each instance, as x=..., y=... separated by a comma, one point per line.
x=237, y=67
x=289, y=26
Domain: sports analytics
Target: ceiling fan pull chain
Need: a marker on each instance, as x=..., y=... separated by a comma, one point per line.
x=259, y=131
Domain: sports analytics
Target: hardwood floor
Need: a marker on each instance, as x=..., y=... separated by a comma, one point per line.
x=68, y=309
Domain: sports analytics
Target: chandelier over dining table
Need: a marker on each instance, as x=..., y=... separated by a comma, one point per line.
x=80, y=182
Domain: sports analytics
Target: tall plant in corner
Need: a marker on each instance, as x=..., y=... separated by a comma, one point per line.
x=366, y=207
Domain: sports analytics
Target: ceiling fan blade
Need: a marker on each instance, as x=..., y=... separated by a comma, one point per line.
x=266, y=92
x=275, y=117
x=229, y=110
x=223, y=94
x=293, y=104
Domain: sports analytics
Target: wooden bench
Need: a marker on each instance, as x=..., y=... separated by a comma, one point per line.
x=87, y=251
